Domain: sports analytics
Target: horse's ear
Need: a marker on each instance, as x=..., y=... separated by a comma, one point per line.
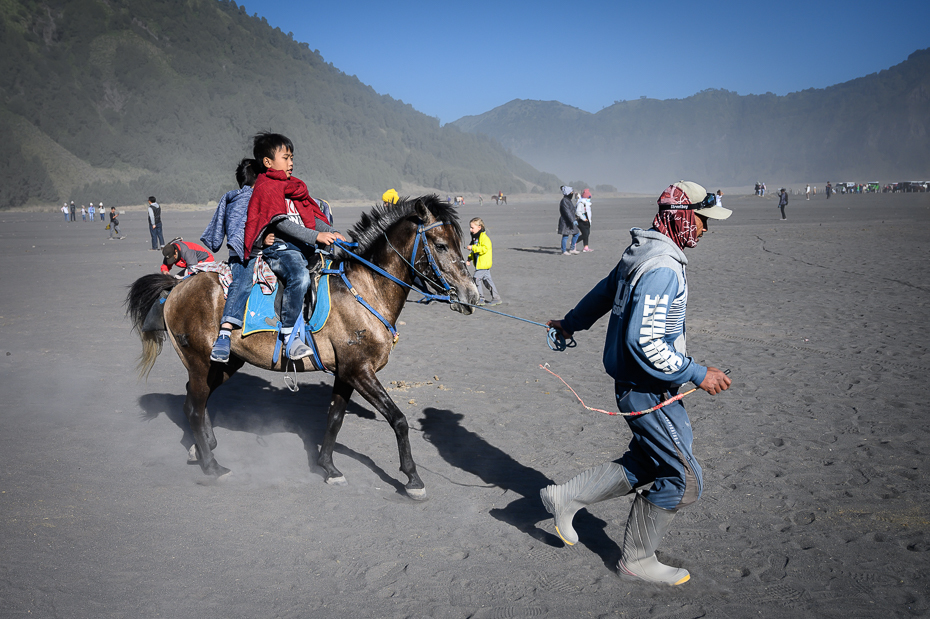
x=422, y=212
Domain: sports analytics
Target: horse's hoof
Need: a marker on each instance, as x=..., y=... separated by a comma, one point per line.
x=417, y=494
x=193, y=456
x=337, y=481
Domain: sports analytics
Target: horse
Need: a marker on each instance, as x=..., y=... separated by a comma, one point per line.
x=414, y=240
x=500, y=199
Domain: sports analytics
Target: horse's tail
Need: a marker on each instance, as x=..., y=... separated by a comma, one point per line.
x=143, y=294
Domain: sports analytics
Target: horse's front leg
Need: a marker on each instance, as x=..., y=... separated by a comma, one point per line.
x=373, y=391
x=342, y=391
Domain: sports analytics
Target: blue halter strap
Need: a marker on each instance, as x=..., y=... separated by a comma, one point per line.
x=427, y=297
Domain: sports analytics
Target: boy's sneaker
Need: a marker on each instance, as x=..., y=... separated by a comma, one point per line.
x=495, y=302
x=298, y=350
x=574, y=252
x=220, y=352
x=566, y=253
x=480, y=302
x=587, y=249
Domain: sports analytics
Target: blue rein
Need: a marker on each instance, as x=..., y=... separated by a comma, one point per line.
x=554, y=339
x=427, y=297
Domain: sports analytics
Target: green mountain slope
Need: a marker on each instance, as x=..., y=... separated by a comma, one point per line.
x=120, y=99
x=875, y=127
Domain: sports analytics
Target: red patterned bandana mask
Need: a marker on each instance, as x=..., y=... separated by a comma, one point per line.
x=680, y=225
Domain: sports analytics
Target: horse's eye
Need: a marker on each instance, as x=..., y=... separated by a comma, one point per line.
x=441, y=247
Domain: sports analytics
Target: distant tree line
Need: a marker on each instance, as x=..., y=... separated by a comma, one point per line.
x=161, y=97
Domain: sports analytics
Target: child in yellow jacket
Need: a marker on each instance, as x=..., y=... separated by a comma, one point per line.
x=480, y=256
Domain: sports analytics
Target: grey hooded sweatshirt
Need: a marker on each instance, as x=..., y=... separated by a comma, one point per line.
x=647, y=297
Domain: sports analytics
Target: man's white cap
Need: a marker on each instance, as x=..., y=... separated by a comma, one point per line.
x=685, y=195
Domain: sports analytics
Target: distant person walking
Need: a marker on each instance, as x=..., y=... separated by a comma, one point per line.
x=719, y=198
x=567, y=222
x=91, y=212
x=100, y=209
x=72, y=210
x=783, y=202
x=114, y=224
x=83, y=213
x=808, y=192
x=583, y=218
x=829, y=190
x=64, y=209
x=155, y=224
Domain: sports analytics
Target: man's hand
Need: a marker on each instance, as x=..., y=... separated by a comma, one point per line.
x=557, y=325
x=327, y=238
x=269, y=239
x=715, y=381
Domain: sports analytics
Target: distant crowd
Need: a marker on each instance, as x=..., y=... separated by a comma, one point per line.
x=87, y=212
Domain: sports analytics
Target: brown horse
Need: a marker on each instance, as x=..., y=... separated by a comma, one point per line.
x=412, y=240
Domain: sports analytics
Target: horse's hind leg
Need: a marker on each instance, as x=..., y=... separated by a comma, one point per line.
x=201, y=384
x=372, y=390
x=342, y=391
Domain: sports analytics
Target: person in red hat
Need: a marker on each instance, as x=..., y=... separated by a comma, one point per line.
x=646, y=296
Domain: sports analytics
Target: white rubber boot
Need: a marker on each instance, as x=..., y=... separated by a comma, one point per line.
x=645, y=529
x=605, y=481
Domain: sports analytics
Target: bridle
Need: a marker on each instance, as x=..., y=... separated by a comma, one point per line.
x=441, y=285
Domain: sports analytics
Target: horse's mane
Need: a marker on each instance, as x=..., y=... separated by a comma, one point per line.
x=372, y=225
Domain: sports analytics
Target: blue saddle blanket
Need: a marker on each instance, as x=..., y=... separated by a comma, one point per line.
x=260, y=312
x=321, y=311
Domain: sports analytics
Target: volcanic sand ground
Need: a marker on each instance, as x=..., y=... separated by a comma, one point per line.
x=816, y=499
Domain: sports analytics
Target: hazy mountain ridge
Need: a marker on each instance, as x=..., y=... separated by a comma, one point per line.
x=873, y=127
x=119, y=99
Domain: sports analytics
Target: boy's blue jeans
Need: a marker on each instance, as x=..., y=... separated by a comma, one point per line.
x=239, y=289
x=660, y=451
x=289, y=263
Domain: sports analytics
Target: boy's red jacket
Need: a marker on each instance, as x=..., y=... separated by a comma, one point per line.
x=268, y=201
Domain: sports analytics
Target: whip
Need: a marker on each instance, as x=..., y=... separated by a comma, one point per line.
x=634, y=414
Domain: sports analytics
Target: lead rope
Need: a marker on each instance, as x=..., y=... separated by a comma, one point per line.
x=554, y=338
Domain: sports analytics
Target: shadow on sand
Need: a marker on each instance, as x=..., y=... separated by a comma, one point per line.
x=469, y=452
x=538, y=250
x=251, y=404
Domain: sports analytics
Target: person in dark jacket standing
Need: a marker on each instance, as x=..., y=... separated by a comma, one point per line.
x=567, y=222
x=646, y=297
x=783, y=202
x=155, y=224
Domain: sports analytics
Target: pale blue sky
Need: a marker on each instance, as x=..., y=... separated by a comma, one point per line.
x=451, y=59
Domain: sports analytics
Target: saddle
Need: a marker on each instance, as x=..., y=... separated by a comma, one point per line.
x=263, y=311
